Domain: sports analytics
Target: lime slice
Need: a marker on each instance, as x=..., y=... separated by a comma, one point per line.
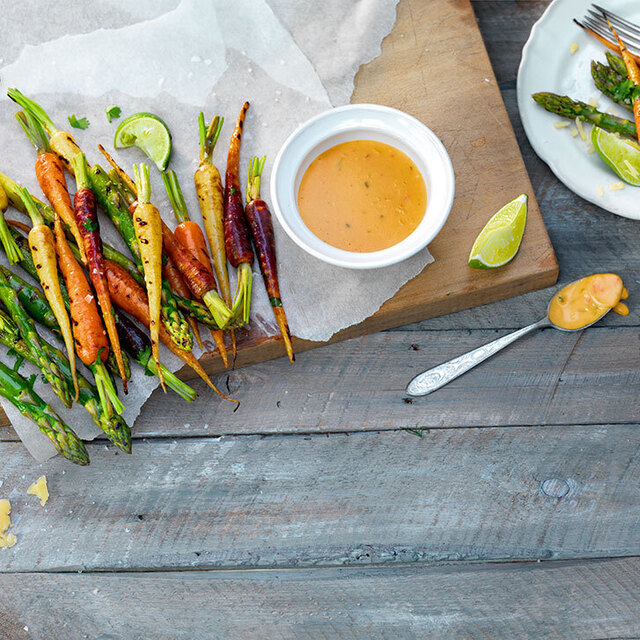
x=621, y=155
x=147, y=132
x=500, y=239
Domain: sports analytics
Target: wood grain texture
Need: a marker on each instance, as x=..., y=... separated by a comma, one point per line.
x=549, y=601
x=430, y=42
x=374, y=498
x=550, y=377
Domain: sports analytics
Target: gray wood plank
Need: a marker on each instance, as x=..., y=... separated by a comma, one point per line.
x=458, y=494
x=556, y=601
x=551, y=377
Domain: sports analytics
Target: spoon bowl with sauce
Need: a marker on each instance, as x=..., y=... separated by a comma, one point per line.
x=576, y=306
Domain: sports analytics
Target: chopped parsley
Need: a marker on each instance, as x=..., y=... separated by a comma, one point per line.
x=76, y=123
x=112, y=112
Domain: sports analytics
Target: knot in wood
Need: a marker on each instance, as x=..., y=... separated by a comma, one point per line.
x=555, y=488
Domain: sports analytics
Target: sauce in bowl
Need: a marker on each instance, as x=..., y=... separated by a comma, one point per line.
x=362, y=196
x=583, y=302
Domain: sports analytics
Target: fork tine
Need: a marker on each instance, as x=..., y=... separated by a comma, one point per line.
x=616, y=19
x=602, y=28
x=630, y=33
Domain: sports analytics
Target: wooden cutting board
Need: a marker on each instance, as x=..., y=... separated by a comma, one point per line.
x=434, y=66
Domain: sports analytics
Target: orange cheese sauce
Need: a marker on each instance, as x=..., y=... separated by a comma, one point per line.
x=585, y=301
x=362, y=196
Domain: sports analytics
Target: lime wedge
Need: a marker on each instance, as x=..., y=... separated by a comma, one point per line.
x=621, y=155
x=147, y=132
x=500, y=238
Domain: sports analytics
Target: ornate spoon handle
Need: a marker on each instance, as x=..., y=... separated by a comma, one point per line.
x=432, y=379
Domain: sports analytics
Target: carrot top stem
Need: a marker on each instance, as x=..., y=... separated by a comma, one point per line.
x=143, y=186
x=80, y=171
x=34, y=109
x=32, y=127
x=106, y=389
x=174, y=192
x=9, y=245
x=30, y=207
x=256, y=165
x=208, y=137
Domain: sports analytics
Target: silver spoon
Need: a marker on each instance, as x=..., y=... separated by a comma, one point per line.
x=432, y=379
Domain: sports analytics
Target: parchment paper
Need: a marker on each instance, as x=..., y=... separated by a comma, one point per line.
x=290, y=59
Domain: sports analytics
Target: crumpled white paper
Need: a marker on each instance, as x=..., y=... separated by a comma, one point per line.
x=290, y=60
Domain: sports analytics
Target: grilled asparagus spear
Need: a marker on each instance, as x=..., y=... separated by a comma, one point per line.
x=569, y=108
x=113, y=425
x=20, y=393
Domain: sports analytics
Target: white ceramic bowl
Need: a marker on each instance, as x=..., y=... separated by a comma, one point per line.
x=362, y=122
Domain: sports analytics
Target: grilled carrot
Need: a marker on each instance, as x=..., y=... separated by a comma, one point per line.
x=50, y=175
x=236, y=233
x=211, y=200
x=201, y=284
x=61, y=142
x=90, y=336
x=132, y=298
x=261, y=225
x=14, y=255
x=190, y=235
x=632, y=69
x=43, y=251
x=86, y=214
x=148, y=227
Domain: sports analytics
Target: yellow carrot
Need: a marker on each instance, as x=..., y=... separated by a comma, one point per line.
x=43, y=251
x=148, y=228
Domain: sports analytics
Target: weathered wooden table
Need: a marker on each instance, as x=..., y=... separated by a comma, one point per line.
x=506, y=505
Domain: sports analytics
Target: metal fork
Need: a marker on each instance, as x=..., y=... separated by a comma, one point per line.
x=628, y=31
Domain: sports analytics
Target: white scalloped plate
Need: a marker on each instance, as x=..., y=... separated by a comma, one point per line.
x=547, y=65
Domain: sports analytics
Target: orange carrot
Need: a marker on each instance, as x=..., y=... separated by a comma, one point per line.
x=90, y=337
x=632, y=69
x=50, y=175
x=88, y=330
x=190, y=236
x=132, y=298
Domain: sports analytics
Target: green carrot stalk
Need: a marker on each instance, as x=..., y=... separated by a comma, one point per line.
x=61, y=142
x=113, y=425
x=20, y=393
x=8, y=243
x=28, y=332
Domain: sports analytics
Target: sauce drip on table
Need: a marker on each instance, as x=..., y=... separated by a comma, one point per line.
x=583, y=302
x=362, y=196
